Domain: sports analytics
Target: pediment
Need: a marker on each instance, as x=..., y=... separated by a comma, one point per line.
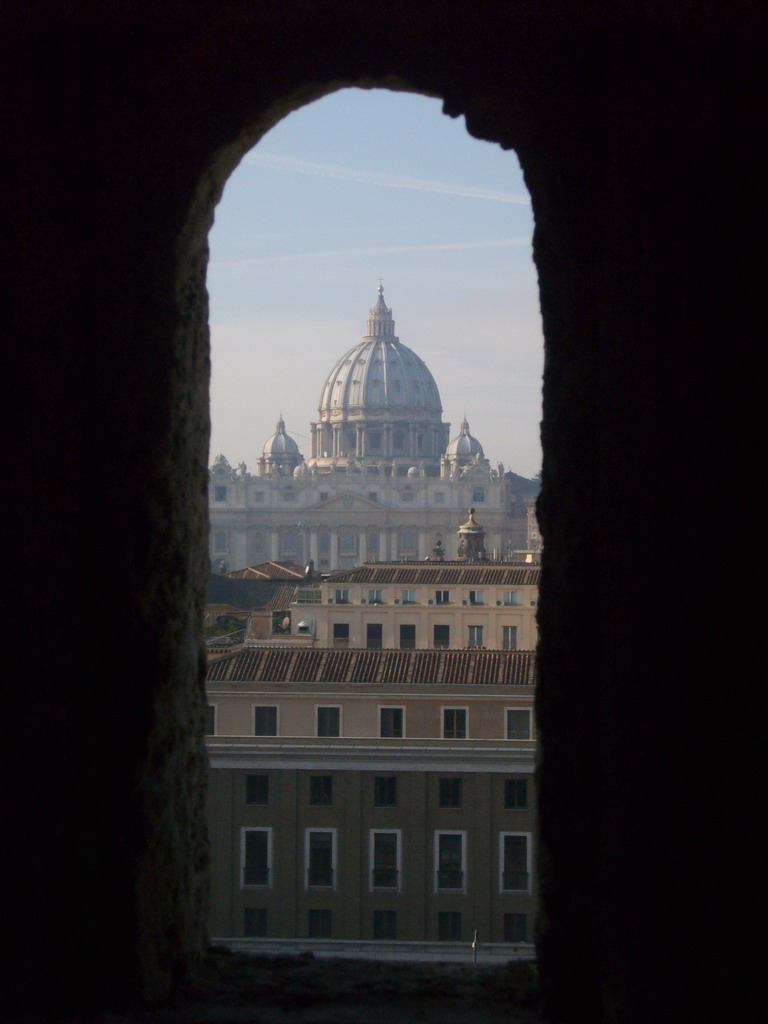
x=348, y=501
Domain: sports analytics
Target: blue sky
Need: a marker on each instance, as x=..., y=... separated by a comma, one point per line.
x=358, y=186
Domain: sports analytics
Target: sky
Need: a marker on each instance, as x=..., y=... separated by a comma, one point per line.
x=356, y=187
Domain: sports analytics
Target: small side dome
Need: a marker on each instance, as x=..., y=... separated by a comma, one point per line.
x=280, y=443
x=301, y=470
x=464, y=445
x=413, y=471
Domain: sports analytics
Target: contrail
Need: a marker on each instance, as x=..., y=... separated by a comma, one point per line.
x=388, y=250
x=286, y=163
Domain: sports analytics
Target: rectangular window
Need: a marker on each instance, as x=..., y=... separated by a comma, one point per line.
x=374, y=636
x=509, y=638
x=439, y=497
x=478, y=494
x=341, y=634
x=309, y=595
x=407, y=496
x=385, y=791
x=320, y=855
x=515, y=855
x=442, y=597
x=475, y=636
x=256, y=856
x=449, y=926
x=257, y=789
x=341, y=596
x=373, y=496
x=408, y=638
x=255, y=922
x=385, y=859
x=441, y=636
x=408, y=597
x=329, y=721
x=518, y=724
x=258, y=497
x=454, y=723
x=321, y=790
x=511, y=598
x=323, y=496
x=391, y=723
x=515, y=927
x=450, y=792
x=385, y=924
x=219, y=493
x=210, y=725
x=449, y=856
x=265, y=721
x=516, y=794
x=477, y=597
x=375, y=597
x=319, y=924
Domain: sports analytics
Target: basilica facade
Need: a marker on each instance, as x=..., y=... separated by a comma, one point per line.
x=383, y=481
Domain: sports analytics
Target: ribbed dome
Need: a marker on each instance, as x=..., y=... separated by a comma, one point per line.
x=464, y=446
x=280, y=443
x=380, y=376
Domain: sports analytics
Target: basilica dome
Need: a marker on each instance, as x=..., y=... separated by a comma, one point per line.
x=380, y=376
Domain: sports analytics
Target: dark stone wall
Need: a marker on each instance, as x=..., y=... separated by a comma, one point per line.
x=635, y=128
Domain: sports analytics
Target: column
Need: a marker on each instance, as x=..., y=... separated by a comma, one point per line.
x=273, y=545
x=334, y=556
x=313, y=545
x=383, y=544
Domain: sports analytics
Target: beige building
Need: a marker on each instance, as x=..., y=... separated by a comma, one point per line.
x=383, y=478
x=422, y=605
x=372, y=796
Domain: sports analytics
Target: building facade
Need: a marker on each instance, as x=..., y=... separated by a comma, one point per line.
x=367, y=795
x=423, y=605
x=383, y=478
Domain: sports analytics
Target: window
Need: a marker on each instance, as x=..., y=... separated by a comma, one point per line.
x=477, y=597
x=288, y=494
x=320, y=855
x=511, y=598
x=309, y=595
x=409, y=597
x=449, y=926
x=220, y=540
x=407, y=495
x=439, y=497
x=255, y=855
x=515, y=927
x=319, y=924
x=341, y=596
x=255, y=922
x=341, y=634
x=385, y=791
x=442, y=597
x=475, y=636
x=509, y=638
x=515, y=861
x=478, y=494
x=449, y=856
x=518, y=724
x=374, y=633
x=210, y=725
x=265, y=721
x=385, y=859
x=373, y=496
x=219, y=493
x=258, y=497
x=323, y=496
x=441, y=636
x=408, y=638
x=329, y=721
x=454, y=723
x=257, y=789
x=385, y=924
x=391, y=723
x=374, y=597
x=515, y=794
x=450, y=792
x=321, y=790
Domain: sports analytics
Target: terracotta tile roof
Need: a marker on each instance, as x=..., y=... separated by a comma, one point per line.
x=441, y=574
x=268, y=571
x=321, y=665
x=250, y=594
